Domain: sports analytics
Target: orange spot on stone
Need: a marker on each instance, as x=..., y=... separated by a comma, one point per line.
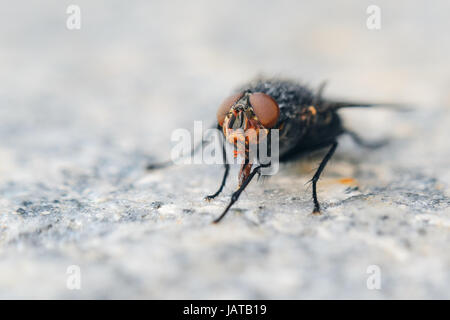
x=347, y=181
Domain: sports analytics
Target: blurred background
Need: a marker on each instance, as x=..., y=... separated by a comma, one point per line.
x=83, y=111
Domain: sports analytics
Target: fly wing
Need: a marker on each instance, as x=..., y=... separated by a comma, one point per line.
x=335, y=105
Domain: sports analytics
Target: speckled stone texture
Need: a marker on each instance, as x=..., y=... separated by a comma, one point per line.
x=82, y=112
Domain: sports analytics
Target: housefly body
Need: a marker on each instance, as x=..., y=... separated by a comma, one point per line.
x=306, y=122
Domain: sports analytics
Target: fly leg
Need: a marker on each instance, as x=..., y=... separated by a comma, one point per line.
x=224, y=180
x=225, y=175
x=168, y=163
x=237, y=193
x=158, y=165
x=316, y=176
x=366, y=144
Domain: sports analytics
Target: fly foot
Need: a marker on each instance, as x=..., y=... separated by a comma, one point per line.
x=209, y=198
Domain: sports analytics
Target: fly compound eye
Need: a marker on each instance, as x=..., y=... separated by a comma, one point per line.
x=226, y=106
x=265, y=108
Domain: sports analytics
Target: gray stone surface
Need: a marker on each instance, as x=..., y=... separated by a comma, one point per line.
x=81, y=113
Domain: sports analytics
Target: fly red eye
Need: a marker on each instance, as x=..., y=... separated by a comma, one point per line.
x=265, y=108
x=226, y=106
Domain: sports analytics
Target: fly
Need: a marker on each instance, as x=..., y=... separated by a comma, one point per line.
x=307, y=122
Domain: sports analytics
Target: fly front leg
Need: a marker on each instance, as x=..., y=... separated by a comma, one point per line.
x=225, y=175
x=168, y=163
x=224, y=180
x=316, y=176
x=194, y=150
x=237, y=193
